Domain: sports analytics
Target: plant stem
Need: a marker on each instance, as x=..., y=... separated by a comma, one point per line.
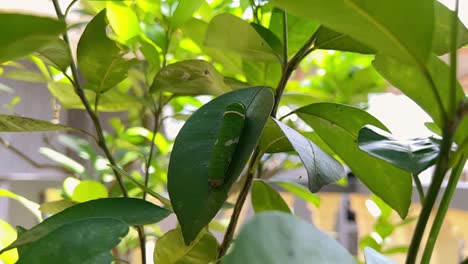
x=419, y=187
x=438, y=176
x=442, y=211
x=157, y=116
x=453, y=62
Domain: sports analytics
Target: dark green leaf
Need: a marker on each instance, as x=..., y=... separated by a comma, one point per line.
x=10, y=123
x=443, y=29
x=190, y=77
x=278, y=238
x=56, y=54
x=265, y=198
x=329, y=39
x=129, y=210
x=193, y=200
x=374, y=257
x=24, y=34
x=299, y=190
x=99, y=57
x=404, y=33
x=413, y=155
x=322, y=169
x=171, y=249
x=339, y=125
x=184, y=12
x=398, y=74
x=231, y=33
x=81, y=242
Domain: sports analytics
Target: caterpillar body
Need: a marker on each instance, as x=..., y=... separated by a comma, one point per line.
x=226, y=143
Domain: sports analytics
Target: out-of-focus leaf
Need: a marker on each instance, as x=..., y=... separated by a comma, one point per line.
x=331, y=40
x=89, y=190
x=265, y=198
x=62, y=159
x=171, y=249
x=273, y=41
x=122, y=20
x=184, y=12
x=56, y=206
x=8, y=235
x=443, y=18
x=374, y=257
x=299, y=190
x=11, y=123
x=23, y=34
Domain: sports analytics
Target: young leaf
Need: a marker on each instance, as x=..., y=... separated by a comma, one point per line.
x=24, y=34
x=184, y=12
x=278, y=238
x=398, y=74
x=171, y=249
x=322, y=169
x=338, y=125
x=265, y=198
x=10, y=123
x=30, y=205
x=99, y=57
x=231, y=33
x=299, y=190
x=329, y=39
x=190, y=77
x=129, y=210
x=374, y=257
x=442, y=28
x=83, y=241
x=413, y=155
x=403, y=33
x=8, y=236
x=89, y=190
x=56, y=54
x=123, y=20
x=194, y=201
x=273, y=139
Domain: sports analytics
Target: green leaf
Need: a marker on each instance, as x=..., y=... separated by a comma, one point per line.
x=384, y=228
x=278, y=238
x=190, y=77
x=403, y=33
x=443, y=28
x=329, y=39
x=265, y=198
x=398, y=74
x=84, y=241
x=11, y=123
x=338, y=125
x=231, y=33
x=273, y=139
x=89, y=190
x=24, y=34
x=129, y=210
x=299, y=190
x=111, y=101
x=56, y=206
x=8, y=235
x=322, y=169
x=99, y=57
x=56, y=54
x=413, y=155
x=151, y=53
x=184, y=12
x=170, y=249
x=25, y=75
x=63, y=160
x=122, y=20
x=273, y=41
x=374, y=257
x=261, y=73
x=197, y=205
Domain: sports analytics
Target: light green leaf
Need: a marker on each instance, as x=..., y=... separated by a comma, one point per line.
x=398, y=74
x=194, y=201
x=299, y=190
x=30, y=205
x=56, y=206
x=329, y=39
x=322, y=169
x=99, y=57
x=261, y=73
x=413, y=155
x=278, y=238
x=184, y=12
x=25, y=75
x=81, y=242
x=403, y=33
x=151, y=53
x=271, y=39
x=273, y=139
x=122, y=20
x=374, y=257
x=62, y=160
x=265, y=198
x=129, y=210
x=11, y=123
x=89, y=190
x=171, y=249
x=23, y=34
x=338, y=125
x=190, y=77
x=8, y=235
x=239, y=36
x=56, y=54
x=443, y=29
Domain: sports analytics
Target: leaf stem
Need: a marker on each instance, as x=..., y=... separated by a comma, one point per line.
x=443, y=207
x=419, y=187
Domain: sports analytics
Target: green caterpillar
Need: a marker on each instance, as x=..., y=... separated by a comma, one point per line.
x=226, y=143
